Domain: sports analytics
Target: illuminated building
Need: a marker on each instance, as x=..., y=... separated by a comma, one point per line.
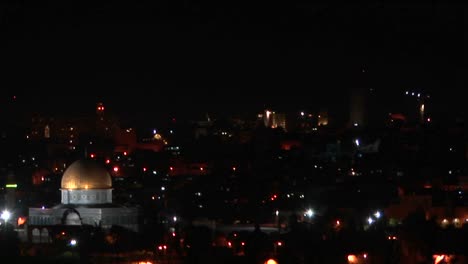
x=272, y=119
x=86, y=199
x=323, y=118
x=357, y=108
x=126, y=140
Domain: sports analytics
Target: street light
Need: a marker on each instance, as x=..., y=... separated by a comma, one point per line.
x=377, y=214
x=309, y=213
x=5, y=216
x=73, y=242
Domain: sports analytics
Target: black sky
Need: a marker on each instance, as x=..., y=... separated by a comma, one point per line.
x=228, y=56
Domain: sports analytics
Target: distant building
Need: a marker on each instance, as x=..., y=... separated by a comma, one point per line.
x=323, y=118
x=357, y=107
x=68, y=130
x=272, y=119
x=86, y=191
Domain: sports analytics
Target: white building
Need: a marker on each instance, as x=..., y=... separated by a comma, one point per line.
x=86, y=189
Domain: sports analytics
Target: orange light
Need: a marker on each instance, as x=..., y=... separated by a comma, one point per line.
x=21, y=220
x=116, y=169
x=271, y=261
x=352, y=259
x=364, y=255
x=338, y=222
x=438, y=258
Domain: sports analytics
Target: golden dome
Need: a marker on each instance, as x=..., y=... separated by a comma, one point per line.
x=86, y=174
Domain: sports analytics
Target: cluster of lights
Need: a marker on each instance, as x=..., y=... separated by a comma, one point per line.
x=352, y=259
x=456, y=222
x=309, y=213
x=372, y=219
x=416, y=94
x=273, y=197
x=162, y=247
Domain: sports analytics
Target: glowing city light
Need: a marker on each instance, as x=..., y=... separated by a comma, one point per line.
x=352, y=259
x=309, y=213
x=5, y=215
x=377, y=214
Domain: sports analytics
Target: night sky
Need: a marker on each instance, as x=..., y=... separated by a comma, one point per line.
x=226, y=56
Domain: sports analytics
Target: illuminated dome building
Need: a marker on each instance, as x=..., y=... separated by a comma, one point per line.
x=86, y=191
x=85, y=182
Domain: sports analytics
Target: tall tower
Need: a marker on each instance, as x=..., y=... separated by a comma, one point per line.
x=103, y=121
x=357, y=107
x=100, y=109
